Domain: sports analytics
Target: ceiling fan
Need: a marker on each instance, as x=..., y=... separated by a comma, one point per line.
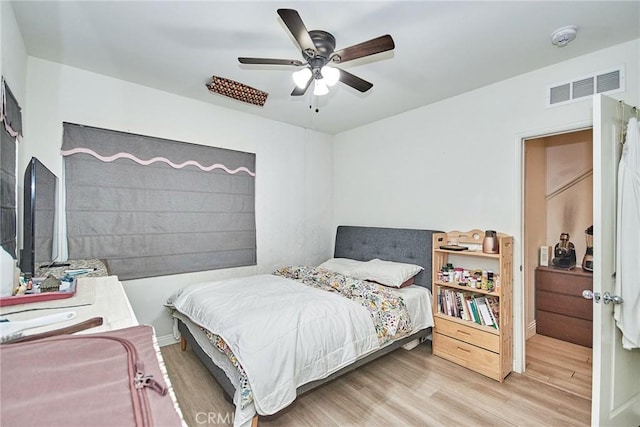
x=318, y=52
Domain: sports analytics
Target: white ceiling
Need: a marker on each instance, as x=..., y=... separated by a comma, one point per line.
x=443, y=48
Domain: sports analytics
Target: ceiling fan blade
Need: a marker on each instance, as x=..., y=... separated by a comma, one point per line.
x=270, y=61
x=371, y=47
x=294, y=23
x=297, y=91
x=354, y=81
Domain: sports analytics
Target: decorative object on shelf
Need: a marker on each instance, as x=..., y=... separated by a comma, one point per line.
x=50, y=284
x=587, y=260
x=544, y=255
x=454, y=247
x=490, y=243
x=564, y=253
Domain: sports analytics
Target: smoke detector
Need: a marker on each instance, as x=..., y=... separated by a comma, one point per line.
x=562, y=36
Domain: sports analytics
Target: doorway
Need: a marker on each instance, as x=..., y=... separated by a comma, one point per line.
x=558, y=198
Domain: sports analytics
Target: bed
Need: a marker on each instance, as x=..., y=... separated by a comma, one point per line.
x=207, y=330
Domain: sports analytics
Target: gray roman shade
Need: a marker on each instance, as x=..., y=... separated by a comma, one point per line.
x=10, y=129
x=150, y=206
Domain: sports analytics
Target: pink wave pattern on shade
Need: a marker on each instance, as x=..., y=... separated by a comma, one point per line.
x=154, y=160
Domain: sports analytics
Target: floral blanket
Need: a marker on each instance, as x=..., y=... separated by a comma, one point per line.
x=246, y=397
x=387, y=310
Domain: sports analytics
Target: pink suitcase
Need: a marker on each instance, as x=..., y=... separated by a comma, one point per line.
x=107, y=379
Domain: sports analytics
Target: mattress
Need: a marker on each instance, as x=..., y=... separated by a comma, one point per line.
x=418, y=302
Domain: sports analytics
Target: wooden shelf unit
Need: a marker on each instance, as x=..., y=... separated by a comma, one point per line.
x=481, y=348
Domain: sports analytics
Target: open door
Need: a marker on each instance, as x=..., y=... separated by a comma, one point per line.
x=616, y=372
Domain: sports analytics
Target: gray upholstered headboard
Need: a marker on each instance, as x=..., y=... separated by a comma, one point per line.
x=391, y=244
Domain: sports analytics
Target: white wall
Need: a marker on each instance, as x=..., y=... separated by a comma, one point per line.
x=456, y=164
x=569, y=157
x=14, y=53
x=13, y=68
x=293, y=165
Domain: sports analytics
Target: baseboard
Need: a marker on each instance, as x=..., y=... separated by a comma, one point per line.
x=167, y=340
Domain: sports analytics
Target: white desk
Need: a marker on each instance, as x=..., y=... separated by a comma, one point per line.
x=109, y=302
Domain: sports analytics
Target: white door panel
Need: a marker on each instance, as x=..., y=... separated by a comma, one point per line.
x=616, y=372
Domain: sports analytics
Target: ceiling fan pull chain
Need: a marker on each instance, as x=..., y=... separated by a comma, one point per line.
x=314, y=100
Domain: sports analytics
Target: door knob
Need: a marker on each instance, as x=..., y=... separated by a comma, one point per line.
x=607, y=298
x=588, y=294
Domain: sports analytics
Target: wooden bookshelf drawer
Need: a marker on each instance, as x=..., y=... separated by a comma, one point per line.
x=475, y=358
x=468, y=334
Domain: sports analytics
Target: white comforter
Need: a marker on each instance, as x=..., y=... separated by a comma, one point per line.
x=319, y=332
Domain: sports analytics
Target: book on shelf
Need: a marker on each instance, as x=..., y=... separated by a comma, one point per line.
x=464, y=307
x=472, y=311
x=452, y=302
x=447, y=303
x=460, y=307
x=494, y=305
x=483, y=309
x=493, y=318
x=444, y=302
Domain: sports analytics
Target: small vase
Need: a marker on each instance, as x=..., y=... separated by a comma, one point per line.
x=490, y=244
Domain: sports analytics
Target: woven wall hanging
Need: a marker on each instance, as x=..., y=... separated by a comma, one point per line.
x=237, y=90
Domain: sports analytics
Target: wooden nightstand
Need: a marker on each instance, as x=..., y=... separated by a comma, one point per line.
x=561, y=311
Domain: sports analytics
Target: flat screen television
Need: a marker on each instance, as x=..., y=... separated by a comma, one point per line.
x=39, y=242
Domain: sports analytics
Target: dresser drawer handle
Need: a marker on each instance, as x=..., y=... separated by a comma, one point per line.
x=463, y=349
x=462, y=332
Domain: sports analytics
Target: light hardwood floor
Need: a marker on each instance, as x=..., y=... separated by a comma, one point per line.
x=403, y=388
x=560, y=364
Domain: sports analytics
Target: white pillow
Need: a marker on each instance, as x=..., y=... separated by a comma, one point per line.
x=387, y=273
x=344, y=266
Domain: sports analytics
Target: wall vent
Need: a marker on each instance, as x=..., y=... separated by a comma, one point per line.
x=584, y=87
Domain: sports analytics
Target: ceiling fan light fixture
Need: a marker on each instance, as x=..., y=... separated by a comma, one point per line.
x=320, y=88
x=301, y=77
x=330, y=75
